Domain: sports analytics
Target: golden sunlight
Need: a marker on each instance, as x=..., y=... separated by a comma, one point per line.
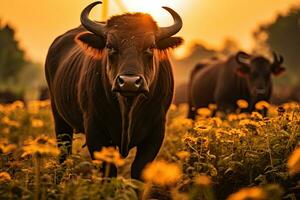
x=153, y=7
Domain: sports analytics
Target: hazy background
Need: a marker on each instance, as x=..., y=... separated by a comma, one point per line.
x=210, y=27
x=209, y=21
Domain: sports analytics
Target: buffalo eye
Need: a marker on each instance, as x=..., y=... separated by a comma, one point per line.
x=111, y=50
x=149, y=52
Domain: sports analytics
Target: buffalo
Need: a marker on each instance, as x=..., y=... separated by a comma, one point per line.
x=181, y=91
x=241, y=76
x=113, y=81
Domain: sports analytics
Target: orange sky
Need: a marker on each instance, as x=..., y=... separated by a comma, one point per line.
x=38, y=22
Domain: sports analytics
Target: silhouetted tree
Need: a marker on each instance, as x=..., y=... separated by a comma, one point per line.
x=230, y=46
x=11, y=56
x=283, y=36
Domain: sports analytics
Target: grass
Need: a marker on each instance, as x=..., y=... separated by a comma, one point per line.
x=210, y=158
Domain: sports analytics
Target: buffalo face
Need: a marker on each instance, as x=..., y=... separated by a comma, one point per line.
x=130, y=46
x=130, y=65
x=258, y=71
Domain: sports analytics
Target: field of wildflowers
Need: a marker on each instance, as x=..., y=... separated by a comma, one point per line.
x=236, y=157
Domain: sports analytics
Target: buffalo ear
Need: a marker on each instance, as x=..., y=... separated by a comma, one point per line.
x=167, y=43
x=277, y=70
x=243, y=59
x=91, y=44
x=276, y=67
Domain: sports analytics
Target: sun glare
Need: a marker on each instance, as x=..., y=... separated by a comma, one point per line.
x=153, y=7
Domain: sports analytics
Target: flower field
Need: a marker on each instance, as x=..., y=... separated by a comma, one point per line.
x=236, y=157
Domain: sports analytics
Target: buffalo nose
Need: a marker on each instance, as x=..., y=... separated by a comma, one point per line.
x=129, y=83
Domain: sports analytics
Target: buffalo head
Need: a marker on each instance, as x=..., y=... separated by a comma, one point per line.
x=258, y=70
x=130, y=46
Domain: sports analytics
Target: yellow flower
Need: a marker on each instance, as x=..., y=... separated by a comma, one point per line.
x=203, y=180
x=37, y=123
x=42, y=145
x=6, y=130
x=33, y=107
x=249, y=123
x=4, y=176
x=51, y=164
x=189, y=138
x=216, y=121
x=17, y=105
x=204, y=112
x=109, y=155
x=254, y=193
x=232, y=117
x=262, y=105
x=97, y=162
x=7, y=148
x=291, y=105
x=212, y=106
x=242, y=103
x=202, y=128
x=183, y=155
x=219, y=133
x=256, y=115
x=238, y=132
x=44, y=104
x=242, y=116
x=173, y=107
x=69, y=162
x=294, y=161
x=162, y=173
x=2, y=108
x=9, y=122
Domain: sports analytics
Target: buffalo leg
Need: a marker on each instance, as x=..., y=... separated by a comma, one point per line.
x=64, y=134
x=96, y=140
x=226, y=107
x=191, y=112
x=147, y=151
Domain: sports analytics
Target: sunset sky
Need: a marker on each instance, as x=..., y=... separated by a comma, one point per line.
x=208, y=21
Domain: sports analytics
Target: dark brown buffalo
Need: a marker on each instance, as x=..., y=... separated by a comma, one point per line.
x=181, y=91
x=241, y=76
x=114, y=82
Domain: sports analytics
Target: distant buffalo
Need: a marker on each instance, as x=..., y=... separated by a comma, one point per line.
x=241, y=76
x=114, y=82
x=181, y=91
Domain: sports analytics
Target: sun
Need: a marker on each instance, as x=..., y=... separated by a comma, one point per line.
x=153, y=7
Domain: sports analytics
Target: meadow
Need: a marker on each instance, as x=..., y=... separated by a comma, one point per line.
x=237, y=157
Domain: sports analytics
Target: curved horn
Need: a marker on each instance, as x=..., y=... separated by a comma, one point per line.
x=90, y=25
x=242, y=57
x=165, y=32
x=281, y=59
x=277, y=60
